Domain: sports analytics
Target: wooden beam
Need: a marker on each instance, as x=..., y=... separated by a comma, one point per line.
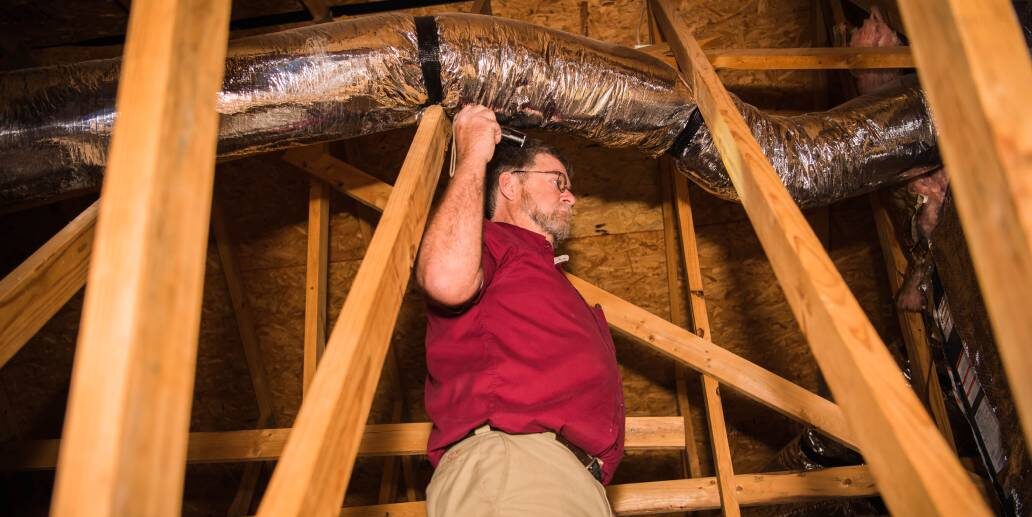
x=132, y=382
x=583, y=4
x=642, y=433
x=828, y=58
x=719, y=442
x=341, y=175
x=911, y=324
x=319, y=10
x=313, y=473
x=915, y=469
x=976, y=72
x=721, y=447
x=699, y=354
x=845, y=58
x=820, y=39
x=698, y=494
x=315, y=280
x=481, y=7
x=388, y=483
x=225, y=243
x=690, y=459
x=38, y=288
x=840, y=38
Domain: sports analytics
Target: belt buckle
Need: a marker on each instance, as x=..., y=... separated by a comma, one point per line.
x=595, y=468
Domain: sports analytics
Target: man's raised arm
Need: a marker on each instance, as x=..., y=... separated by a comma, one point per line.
x=448, y=267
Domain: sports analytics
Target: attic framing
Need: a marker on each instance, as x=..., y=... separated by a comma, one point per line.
x=127, y=425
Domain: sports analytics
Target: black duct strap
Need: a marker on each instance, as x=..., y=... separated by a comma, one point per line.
x=685, y=136
x=429, y=57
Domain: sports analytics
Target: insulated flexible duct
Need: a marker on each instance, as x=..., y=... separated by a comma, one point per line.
x=372, y=74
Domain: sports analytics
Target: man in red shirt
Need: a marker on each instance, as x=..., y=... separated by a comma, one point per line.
x=523, y=386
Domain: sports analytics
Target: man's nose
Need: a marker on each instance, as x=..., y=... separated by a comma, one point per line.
x=568, y=197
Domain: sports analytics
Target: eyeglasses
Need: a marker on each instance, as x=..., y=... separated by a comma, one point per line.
x=561, y=183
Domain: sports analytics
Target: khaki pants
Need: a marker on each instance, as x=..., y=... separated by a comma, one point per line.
x=501, y=475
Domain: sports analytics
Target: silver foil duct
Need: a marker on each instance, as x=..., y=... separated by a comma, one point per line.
x=354, y=77
x=857, y=147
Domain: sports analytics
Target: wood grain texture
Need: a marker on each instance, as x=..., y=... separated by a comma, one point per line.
x=817, y=58
x=407, y=439
x=747, y=378
x=976, y=71
x=692, y=466
x=129, y=405
x=698, y=494
x=315, y=279
x=916, y=470
x=313, y=473
x=226, y=245
x=481, y=7
x=911, y=324
x=341, y=175
x=32, y=293
x=319, y=10
x=719, y=442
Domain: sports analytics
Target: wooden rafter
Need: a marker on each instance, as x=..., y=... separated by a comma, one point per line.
x=915, y=469
x=976, y=72
x=691, y=463
x=642, y=433
x=481, y=7
x=911, y=324
x=32, y=293
x=319, y=10
x=719, y=442
x=698, y=494
x=341, y=175
x=132, y=383
x=389, y=480
x=840, y=38
x=820, y=39
x=699, y=354
x=751, y=380
x=313, y=473
x=225, y=243
x=315, y=280
x=807, y=58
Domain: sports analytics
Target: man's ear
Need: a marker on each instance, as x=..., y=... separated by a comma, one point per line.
x=508, y=185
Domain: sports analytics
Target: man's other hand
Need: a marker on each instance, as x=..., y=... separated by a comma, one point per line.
x=476, y=133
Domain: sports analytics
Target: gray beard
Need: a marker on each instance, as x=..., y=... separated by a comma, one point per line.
x=556, y=224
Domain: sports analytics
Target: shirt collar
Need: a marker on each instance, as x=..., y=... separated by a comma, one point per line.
x=531, y=239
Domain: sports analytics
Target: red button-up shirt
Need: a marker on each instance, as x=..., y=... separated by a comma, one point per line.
x=528, y=356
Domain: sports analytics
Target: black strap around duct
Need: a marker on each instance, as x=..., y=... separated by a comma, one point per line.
x=429, y=57
x=695, y=122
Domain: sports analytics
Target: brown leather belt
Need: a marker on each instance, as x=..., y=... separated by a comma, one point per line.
x=592, y=463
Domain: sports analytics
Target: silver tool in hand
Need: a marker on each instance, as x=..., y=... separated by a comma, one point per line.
x=508, y=134
x=513, y=137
